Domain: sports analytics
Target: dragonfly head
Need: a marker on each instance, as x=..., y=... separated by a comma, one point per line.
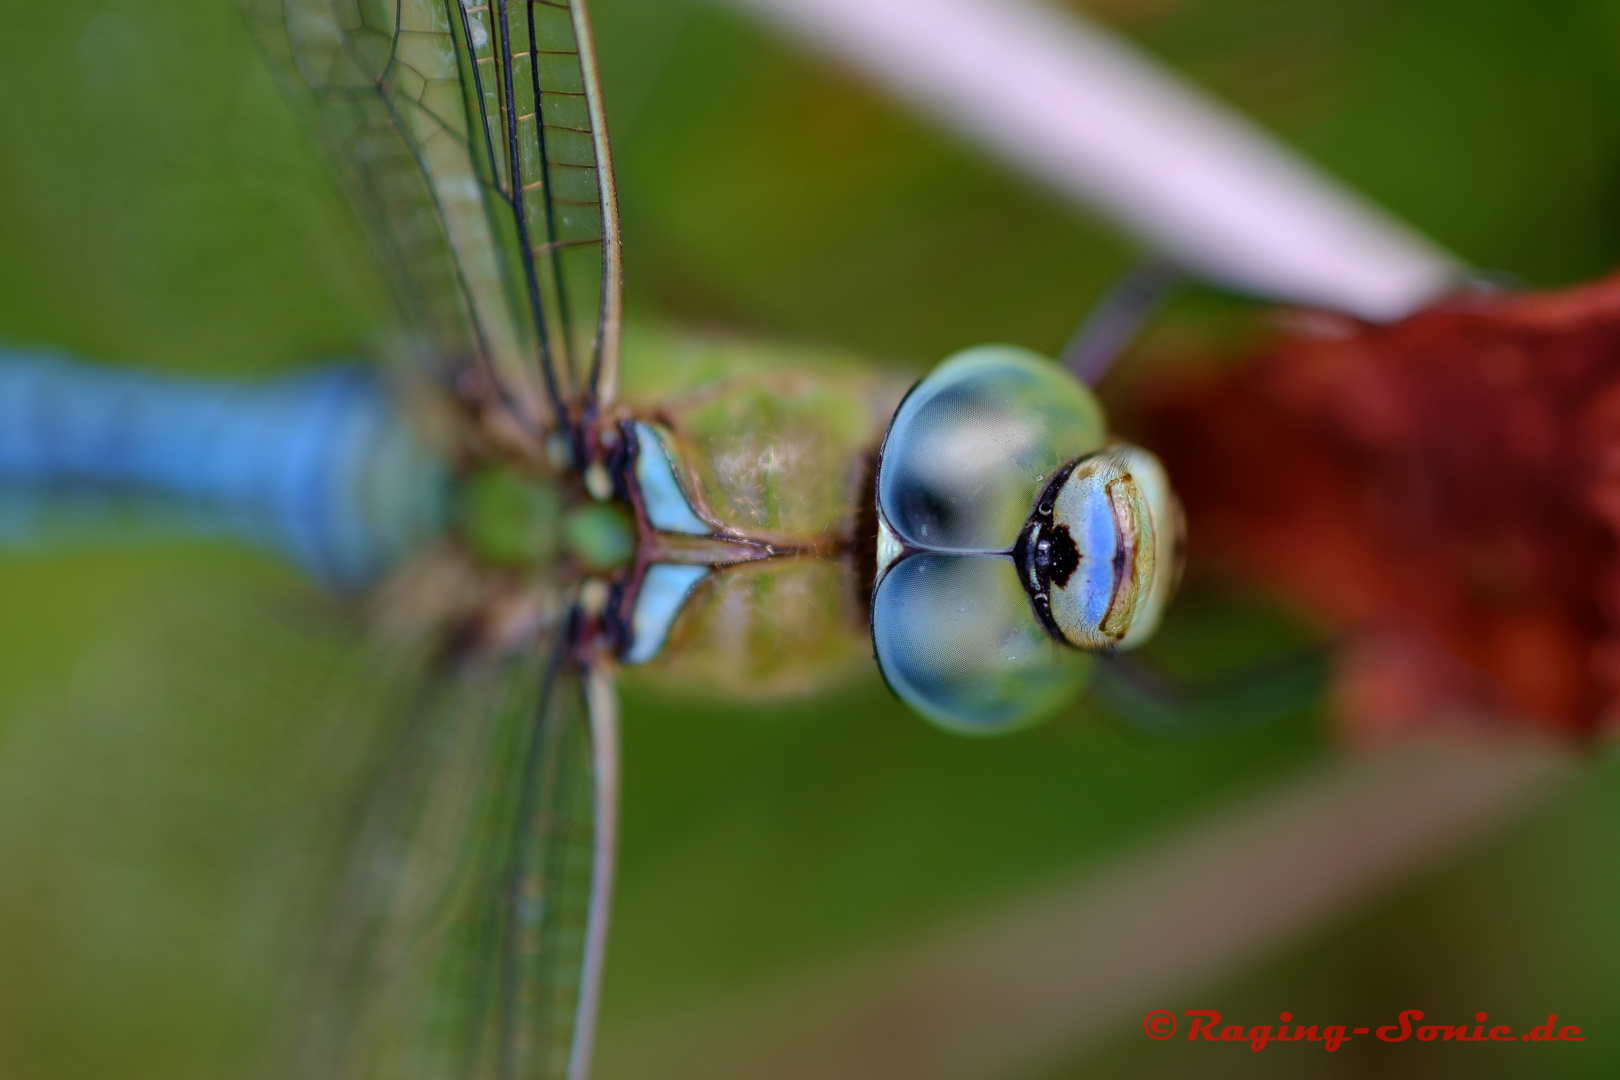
x=1014, y=539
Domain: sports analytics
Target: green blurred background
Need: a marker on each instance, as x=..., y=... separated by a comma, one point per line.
x=173, y=742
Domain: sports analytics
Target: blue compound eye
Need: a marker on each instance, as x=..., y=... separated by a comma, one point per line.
x=958, y=641
x=1102, y=552
x=974, y=444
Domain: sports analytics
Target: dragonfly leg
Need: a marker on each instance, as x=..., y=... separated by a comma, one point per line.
x=1149, y=700
x=1112, y=322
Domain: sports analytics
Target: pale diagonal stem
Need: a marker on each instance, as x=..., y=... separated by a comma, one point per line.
x=1090, y=116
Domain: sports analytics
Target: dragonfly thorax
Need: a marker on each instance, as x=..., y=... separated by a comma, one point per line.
x=745, y=485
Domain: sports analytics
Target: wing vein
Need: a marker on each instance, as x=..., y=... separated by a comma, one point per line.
x=484, y=359
x=520, y=218
x=545, y=174
x=539, y=775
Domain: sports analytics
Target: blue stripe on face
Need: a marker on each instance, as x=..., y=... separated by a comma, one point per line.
x=1080, y=606
x=1081, y=602
x=667, y=507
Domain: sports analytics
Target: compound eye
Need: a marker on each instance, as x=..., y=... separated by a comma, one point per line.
x=974, y=444
x=957, y=640
x=1112, y=552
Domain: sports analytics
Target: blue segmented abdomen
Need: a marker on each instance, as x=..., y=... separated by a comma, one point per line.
x=321, y=466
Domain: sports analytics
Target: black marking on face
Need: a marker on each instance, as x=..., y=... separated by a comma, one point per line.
x=1035, y=551
x=1063, y=556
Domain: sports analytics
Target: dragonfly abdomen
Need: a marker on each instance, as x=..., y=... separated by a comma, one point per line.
x=319, y=465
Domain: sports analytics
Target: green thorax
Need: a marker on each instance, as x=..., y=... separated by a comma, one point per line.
x=769, y=442
x=773, y=446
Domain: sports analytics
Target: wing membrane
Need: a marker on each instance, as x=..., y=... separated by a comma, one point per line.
x=472, y=137
x=463, y=942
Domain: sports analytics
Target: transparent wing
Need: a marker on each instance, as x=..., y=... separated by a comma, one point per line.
x=471, y=923
x=472, y=137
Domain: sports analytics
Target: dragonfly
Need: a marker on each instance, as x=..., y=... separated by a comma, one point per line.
x=540, y=497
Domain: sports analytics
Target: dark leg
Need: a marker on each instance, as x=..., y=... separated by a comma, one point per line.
x=1115, y=319
x=1151, y=702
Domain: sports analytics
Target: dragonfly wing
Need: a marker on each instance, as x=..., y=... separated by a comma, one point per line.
x=472, y=137
x=471, y=922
